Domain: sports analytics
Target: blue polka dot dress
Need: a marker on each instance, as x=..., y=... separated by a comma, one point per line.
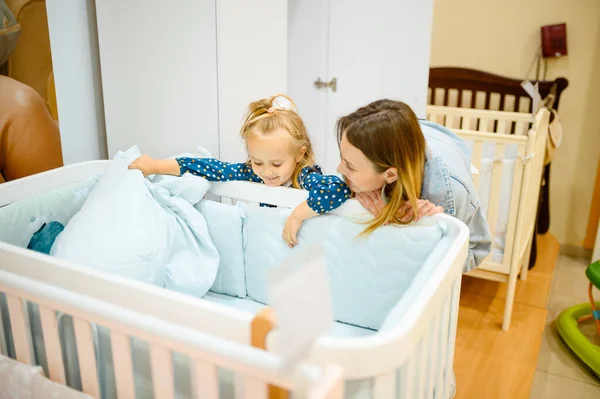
x=325, y=193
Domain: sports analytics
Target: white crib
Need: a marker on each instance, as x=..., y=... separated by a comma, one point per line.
x=254, y=369
x=508, y=183
x=411, y=359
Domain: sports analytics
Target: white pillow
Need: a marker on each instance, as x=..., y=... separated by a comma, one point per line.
x=120, y=228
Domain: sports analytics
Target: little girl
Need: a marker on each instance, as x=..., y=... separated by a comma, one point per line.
x=279, y=154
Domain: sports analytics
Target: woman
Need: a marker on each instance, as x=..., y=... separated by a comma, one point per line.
x=398, y=167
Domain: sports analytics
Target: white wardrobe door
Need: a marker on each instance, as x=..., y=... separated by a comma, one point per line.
x=377, y=49
x=252, y=59
x=308, y=47
x=76, y=67
x=159, y=75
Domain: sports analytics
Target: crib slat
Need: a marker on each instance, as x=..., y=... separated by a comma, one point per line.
x=501, y=126
x=162, y=372
x=121, y=351
x=437, y=118
x=408, y=379
x=454, y=302
x=453, y=121
x=494, y=200
x=521, y=128
x=525, y=104
x=476, y=161
x=251, y=388
x=385, y=385
x=513, y=210
x=502, y=103
x=465, y=123
x=435, y=368
x=205, y=380
x=84, y=338
x=21, y=332
x=56, y=367
x=422, y=368
x=483, y=125
x=3, y=344
x=443, y=337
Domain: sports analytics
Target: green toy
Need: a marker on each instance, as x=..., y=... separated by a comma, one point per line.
x=568, y=321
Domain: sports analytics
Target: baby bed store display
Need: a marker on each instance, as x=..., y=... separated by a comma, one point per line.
x=387, y=341
x=507, y=149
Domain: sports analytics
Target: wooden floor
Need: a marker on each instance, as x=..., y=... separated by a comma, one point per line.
x=489, y=362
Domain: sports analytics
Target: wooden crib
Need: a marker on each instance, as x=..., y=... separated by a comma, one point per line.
x=470, y=88
x=511, y=187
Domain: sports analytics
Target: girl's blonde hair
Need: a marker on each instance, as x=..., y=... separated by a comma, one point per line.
x=389, y=134
x=267, y=116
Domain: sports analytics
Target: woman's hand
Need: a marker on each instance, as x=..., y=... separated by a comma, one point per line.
x=425, y=208
x=144, y=163
x=294, y=222
x=150, y=166
x=373, y=202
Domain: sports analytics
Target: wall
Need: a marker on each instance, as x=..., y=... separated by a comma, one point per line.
x=502, y=36
x=75, y=60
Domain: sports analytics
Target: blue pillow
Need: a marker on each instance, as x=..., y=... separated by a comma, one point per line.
x=368, y=276
x=226, y=229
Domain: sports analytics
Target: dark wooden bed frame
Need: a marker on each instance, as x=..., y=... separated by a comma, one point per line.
x=471, y=80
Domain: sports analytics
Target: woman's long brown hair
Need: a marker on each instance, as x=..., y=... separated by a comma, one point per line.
x=389, y=135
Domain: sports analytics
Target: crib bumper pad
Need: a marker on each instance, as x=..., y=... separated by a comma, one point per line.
x=20, y=220
x=368, y=275
x=226, y=228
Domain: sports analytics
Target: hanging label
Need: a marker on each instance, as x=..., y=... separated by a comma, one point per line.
x=300, y=297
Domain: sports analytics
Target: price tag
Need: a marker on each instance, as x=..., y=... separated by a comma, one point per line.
x=299, y=295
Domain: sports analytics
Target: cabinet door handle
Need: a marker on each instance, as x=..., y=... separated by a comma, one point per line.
x=320, y=84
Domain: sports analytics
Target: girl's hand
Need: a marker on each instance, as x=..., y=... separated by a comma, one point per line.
x=294, y=222
x=290, y=230
x=144, y=163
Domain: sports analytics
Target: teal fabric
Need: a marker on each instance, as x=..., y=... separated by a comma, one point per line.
x=10, y=31
x=44, y=238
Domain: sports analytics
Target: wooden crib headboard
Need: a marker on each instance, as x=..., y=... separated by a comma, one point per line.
x=444, y=80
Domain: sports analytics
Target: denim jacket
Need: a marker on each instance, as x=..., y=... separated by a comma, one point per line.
x=447, y=182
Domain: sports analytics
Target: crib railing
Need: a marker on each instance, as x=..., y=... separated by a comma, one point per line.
x=517, y=123
x=254, y=369
x=495, y=167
